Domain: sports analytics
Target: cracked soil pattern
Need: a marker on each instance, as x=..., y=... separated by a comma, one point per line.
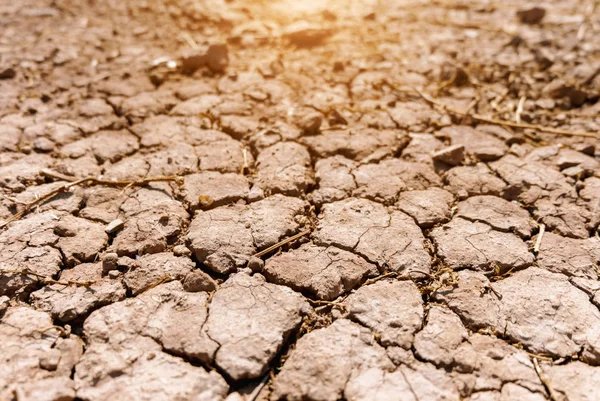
x=444, y=242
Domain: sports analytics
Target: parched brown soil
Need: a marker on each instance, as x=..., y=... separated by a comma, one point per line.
x=299, y=200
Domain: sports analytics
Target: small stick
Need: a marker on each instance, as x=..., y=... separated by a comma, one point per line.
x=538, y=241
x=46, y=280
x=496, y=121
x=398, y=276
x=64, y=333
x=164, y=279
x=498, y=100
x=73, y=181
x=327, y=303
x=254, y=394
x=190, y=41
x=519, y=110
x=246, y=166
x=545, y=381
x=281, y=243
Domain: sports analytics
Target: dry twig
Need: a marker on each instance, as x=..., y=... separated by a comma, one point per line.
x=257, y=390
x=538, y=241
x=505, y=123
x=73, y=181
x=281, y=243
x=519, y=110
x=545, y=381
x=45, y=280
x=407, y=276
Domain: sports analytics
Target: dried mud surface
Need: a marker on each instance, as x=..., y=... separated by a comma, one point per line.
x=444, y=245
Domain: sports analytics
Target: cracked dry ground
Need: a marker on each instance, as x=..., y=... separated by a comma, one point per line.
x=436, y=255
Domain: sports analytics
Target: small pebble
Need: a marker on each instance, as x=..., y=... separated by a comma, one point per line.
x=311, y=123
x=50, y=362
x=114, y=274
x=256, y=264
x=109, y=262
x=43, y=144
x=7, y=73
x=181, y=250
x=114, y=226
x=533, y=15
x=234, y=397
x=452, y=155
x=4, y=302
x=197, y=281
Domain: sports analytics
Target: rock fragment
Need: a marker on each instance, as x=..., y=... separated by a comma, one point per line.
x=392, y=240
x=109, y=262
x=215, y=57
x=323, y=272
x=7, y=72
x=310, y=123
x=197, y=281
x=452, y=155
x=533, y=15
x=114, y=226
x=304, y=34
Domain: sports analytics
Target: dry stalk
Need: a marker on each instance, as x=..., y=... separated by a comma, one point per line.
x=257, y=390
x=545, y=381
x=407, y=276
x=505, y=123
x=519, y=110
x=90, y=181
x=538, y=241
x=45, y=280
x=327, y=304
x=281, y=243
